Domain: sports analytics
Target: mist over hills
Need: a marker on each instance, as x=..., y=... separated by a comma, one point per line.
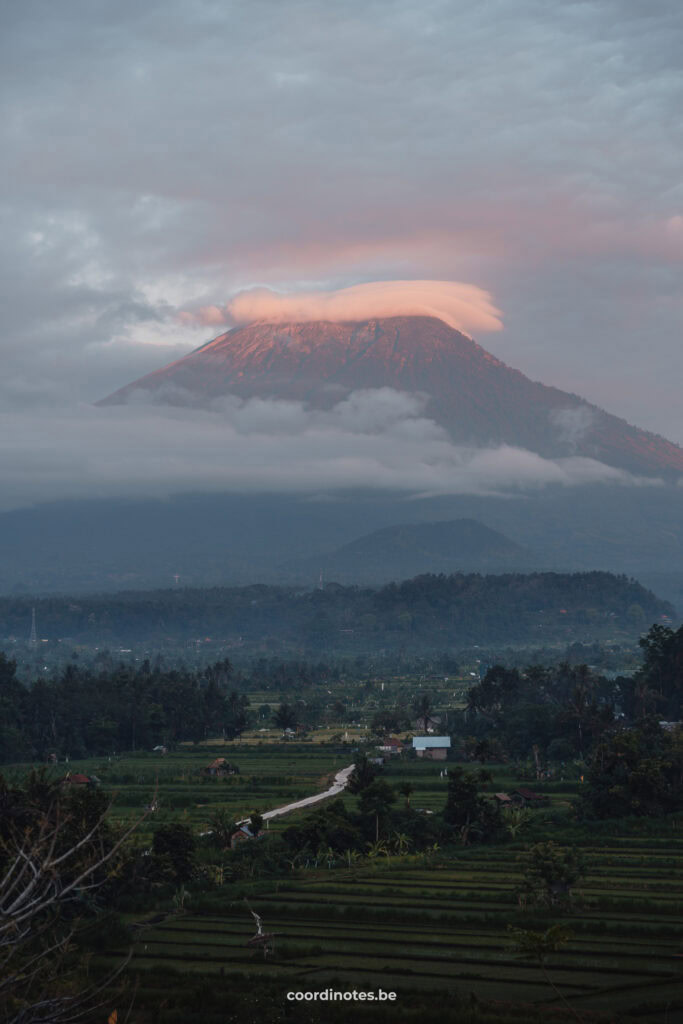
x=471, y=394
x=219, y=540
x=410, y=549
x=467, y=398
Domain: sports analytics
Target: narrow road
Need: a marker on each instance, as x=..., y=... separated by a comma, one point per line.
x=339, y=784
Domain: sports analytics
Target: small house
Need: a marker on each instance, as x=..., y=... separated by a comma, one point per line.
x=243, y=835
x=391, y=747
x=435, y=748
x=78, y=779
x=219, y=768
x=527, y=798
x=503, y=799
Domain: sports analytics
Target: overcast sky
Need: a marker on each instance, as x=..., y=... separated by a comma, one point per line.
x=160, y=157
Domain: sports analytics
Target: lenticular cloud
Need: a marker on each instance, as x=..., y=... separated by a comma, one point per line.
x=466, y=307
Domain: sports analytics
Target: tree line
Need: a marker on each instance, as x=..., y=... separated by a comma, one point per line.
x=81, y=711
x=625, y=732
x=427, y=613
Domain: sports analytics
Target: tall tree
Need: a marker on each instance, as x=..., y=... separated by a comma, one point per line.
x=549, y=874
x=285, y=717
x=423, y=707
x=362, y=776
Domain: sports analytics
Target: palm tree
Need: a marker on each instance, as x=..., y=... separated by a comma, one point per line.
x=351, y=857
x=645, y=697
x=223, y=826
x=402, y=843
x=424, y=708
x=516, y=820
x=285, y=717
x=326, y=853
x=581, y=700
x=377, y=849
x=406, y=789
x=431, y=851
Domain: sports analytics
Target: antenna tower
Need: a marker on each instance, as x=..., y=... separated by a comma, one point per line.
x=33, y=639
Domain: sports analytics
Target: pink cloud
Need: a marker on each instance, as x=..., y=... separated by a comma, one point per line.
x=466, y=307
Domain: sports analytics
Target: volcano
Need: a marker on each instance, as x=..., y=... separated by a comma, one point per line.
x=475, y=397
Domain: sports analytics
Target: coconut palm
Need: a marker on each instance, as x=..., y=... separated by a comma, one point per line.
x=401, y=842
x=424, y=709
x=406, y=789
x=351, y=857
x=378, y=849
x=516, y=820
x=326, y=853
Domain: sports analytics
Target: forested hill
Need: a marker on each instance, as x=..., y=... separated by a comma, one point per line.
x=428, y=612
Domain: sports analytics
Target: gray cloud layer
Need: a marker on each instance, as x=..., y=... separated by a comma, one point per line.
x=159, y=157
x=376, y=438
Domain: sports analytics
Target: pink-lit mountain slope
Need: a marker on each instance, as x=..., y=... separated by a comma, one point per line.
x=477, y=398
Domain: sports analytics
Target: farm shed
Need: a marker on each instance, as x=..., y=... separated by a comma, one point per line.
x=433, y=747
x=220, y=767
x=527, y=798
x=78, y=779
x=243, y=835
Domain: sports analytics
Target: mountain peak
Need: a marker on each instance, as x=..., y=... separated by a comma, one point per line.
x=473, y=395
x=409, y=549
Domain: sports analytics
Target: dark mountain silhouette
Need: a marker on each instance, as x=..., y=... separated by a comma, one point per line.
x=399, y=552
x=213, y=540
x=474, y=396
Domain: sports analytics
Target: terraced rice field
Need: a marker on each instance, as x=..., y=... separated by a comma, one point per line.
x=405, y=923
x=269, y=777
x=407, y=926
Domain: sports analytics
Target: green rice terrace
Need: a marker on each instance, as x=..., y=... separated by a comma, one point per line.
x=444, y=926
x=269, y=776
x=439, y=921
x=505, y=850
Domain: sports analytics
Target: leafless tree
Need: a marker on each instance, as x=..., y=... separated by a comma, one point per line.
x=47, y=869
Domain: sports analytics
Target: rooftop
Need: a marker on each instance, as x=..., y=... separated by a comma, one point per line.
x=422, y=742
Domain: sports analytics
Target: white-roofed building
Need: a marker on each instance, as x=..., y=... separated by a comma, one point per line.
x=434, y=747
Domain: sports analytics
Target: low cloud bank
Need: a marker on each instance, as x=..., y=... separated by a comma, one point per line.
x=466, y=307
x=375, y=439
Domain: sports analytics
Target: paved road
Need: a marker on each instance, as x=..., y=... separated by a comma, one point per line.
x=340, y=781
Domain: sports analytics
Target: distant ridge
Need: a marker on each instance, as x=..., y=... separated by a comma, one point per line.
x=405, y=550
x=430, y=612
x=477, y=398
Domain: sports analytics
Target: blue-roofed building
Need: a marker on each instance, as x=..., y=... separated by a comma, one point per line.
x=433, y=747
